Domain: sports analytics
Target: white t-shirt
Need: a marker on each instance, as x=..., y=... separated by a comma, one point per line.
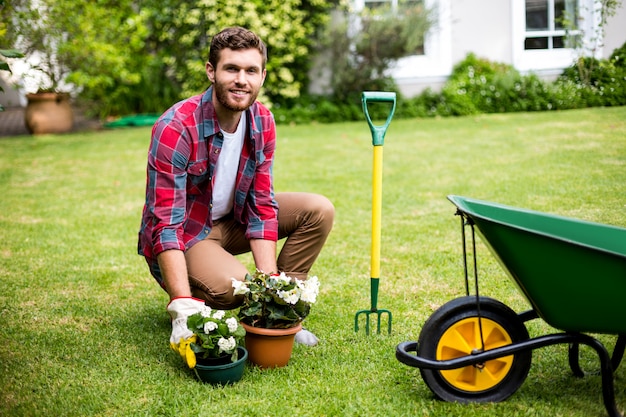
x=226, y=170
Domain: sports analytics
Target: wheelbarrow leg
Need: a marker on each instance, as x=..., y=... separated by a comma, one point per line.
x=606, y=371
x=616, y=357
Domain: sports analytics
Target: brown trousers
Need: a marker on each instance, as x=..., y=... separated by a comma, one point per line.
x=304, y=219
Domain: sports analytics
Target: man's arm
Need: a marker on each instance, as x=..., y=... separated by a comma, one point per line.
x=264, y=254
x=174, y=272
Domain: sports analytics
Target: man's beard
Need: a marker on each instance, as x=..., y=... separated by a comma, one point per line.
x=221, y=93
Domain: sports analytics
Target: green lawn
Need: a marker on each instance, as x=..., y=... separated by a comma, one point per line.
x=84, y=329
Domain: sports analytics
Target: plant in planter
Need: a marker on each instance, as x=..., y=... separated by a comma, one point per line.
x=215, y=350
x=4, y=65
x=272, y=311
x=41, y=33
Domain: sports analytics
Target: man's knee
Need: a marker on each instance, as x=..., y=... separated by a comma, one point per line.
x=219, y=296
x=323, y=209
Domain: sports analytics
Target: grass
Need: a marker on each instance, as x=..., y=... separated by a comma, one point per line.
x=84, y=328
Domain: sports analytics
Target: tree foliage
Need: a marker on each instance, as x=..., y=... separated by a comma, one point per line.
x=362, y=47
x=128, y=56
x=180, y=33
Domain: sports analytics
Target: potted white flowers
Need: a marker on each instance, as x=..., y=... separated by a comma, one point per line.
x=39, y=32
x=272, y=311
x=215, y=350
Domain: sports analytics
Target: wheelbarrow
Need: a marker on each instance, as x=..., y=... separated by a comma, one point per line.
x=573, y=274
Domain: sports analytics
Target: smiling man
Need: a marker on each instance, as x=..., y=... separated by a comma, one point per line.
x=210, y=193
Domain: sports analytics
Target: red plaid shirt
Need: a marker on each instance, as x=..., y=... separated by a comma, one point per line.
x=185, y=144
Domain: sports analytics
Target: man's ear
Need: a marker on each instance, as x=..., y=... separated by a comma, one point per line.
x=210, y=72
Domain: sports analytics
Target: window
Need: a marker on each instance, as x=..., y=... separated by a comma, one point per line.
x=399, y=8
x=544, y=23
x=539, y=37
x=374, y=4
x=433, y=63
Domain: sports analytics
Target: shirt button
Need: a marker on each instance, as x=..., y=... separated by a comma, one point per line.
x=216, y=151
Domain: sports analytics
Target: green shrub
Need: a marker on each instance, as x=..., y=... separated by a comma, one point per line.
x=603, y=82
x=480, y=86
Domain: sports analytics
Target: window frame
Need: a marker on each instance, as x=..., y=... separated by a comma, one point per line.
x=361, y=4
x=551, y=60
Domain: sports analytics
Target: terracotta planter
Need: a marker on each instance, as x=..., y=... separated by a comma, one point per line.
x=48, y=113
x=270, y=348
x=226, y=372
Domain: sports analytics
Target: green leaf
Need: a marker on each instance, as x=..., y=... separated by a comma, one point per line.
x=240, y=332
x=11, y=53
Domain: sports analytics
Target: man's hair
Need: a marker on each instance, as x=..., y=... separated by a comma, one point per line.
x=235, y=38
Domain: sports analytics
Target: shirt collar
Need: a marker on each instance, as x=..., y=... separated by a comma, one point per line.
x=209, y=116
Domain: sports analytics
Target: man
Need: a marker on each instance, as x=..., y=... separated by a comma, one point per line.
x=210, y=194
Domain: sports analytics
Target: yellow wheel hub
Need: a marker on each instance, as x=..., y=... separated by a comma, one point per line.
x=463, y=338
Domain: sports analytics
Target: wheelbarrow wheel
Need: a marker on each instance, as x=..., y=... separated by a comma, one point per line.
x=454, y=331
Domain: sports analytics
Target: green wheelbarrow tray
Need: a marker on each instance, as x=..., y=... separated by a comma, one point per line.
x=572, y=272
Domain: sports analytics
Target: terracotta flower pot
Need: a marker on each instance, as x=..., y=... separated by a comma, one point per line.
x=223, y=373
x=48, y=113
x=270, y=348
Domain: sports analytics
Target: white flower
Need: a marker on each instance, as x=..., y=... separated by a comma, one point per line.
x=240, y=287
x=209, y=326
x=284, y=278
x=310, y=289
x=219, y=314
x=227, y=345
x=206, y=311
x=232, y=324
x=290, y=297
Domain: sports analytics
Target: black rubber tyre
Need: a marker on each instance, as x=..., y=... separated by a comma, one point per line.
x=453, y=331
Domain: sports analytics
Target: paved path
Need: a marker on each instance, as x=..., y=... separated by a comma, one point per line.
x=12, y=122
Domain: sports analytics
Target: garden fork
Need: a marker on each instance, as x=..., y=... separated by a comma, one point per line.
x=378, y=138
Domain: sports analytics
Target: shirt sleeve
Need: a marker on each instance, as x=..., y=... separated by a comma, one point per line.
x=167, y=178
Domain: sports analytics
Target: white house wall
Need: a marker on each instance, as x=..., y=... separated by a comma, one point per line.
x=495, y=30
x=615, y=35
x=482, y=27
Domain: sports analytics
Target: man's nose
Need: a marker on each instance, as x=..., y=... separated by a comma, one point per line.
x=241, y=77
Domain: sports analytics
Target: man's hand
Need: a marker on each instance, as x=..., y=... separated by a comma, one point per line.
x=179, y=309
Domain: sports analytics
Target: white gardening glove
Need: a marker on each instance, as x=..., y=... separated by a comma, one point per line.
x=179, y=309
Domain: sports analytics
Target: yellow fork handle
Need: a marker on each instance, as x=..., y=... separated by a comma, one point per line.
x=377, y=188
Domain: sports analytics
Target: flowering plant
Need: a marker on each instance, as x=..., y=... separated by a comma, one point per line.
x=216, y=333
x=275, y=301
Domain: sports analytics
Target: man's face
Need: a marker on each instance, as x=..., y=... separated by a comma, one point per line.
x=237, y=79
